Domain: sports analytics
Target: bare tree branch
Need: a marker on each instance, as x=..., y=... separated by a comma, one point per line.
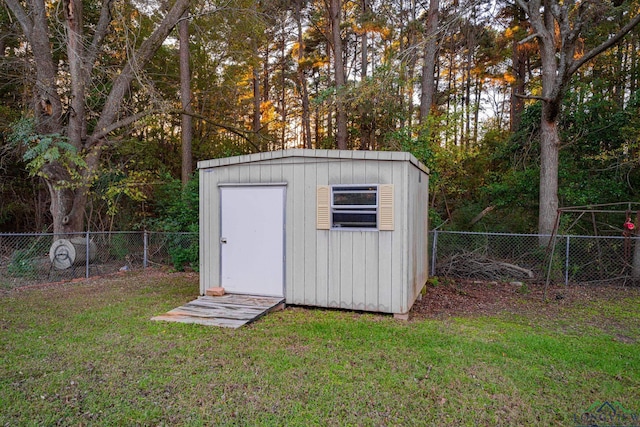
x=604, y=46
x=539, y=98
x=135, y=64
x=529, y=38
x=25, y=21
x=47, y=105
x=129, y=120
x=98, y=36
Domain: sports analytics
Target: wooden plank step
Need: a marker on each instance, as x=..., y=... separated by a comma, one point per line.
x=198, y=305
x=229, y=310
x=251, y=300
x=214, y=304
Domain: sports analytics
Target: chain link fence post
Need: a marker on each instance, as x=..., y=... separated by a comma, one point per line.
x=434, y=252
x=86, y=254
x=567, y=261
x=145, y=249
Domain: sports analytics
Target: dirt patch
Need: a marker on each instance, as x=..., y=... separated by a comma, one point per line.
x=455, y=298
x=132, y=277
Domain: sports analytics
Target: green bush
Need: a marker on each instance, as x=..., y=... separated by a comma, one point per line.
x=177, y=211
x=22, y=264
x=118, y=246
x=24, y=261
x=183, y=251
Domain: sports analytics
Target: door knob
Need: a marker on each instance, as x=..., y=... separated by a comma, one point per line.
x=223, y=240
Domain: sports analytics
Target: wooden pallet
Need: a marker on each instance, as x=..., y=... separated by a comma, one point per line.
x=230, y=310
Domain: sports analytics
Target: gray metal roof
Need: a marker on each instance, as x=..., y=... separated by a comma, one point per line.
x=320, y=154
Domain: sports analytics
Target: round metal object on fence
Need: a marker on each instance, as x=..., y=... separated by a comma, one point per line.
x=65, y=253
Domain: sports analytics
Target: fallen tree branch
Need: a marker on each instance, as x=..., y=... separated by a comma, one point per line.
x=482, y=214
x=469, y=265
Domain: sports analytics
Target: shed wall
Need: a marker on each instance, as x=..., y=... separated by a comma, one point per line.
x=353, y=269
x=417, y=238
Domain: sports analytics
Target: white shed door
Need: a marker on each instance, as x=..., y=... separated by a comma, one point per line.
x=252, y=240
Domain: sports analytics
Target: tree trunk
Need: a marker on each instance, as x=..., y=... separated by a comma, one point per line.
x=302, y=81
x=284, y=113
x=335, y=11
x=549, y=148
x=185, y=97
x=256, y=94
x=465, y=139
x=549, y=136
x=364, y=42
x=429, y=61
x=476, y=109
x=518, y=57
x=365, y=107
x=67, y=210
x=75, y=49
x=633, y=70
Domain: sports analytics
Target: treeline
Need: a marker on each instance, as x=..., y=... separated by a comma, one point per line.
x=92, y=118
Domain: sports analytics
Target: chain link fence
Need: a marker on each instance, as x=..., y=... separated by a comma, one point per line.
x=27, y=259
x=521, y=257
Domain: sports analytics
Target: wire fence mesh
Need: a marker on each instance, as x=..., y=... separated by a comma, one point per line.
x=27, y=259
x=563, y=259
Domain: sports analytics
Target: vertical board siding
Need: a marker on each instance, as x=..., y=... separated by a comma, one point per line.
x=372, y=280
x=346, y=269
x=244, y=173
x=309, y=236
x=399, y=244
x=359, y=256
x=421, y=244
x=354, y=269
x=205, y=231
x=413, y=237
x=334, y=248
x=295, y=224
x=418, y=243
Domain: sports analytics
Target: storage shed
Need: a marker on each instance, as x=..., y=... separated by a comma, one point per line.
x=326, y=228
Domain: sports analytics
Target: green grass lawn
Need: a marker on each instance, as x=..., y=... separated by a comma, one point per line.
x=87, y=354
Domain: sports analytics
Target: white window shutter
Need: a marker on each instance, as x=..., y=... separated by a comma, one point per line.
x=385, y=207
x=323, y=207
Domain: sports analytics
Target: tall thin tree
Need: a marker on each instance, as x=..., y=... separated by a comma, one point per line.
x=335, y=12
x=302, y=77
x=429, y=60
x=185, y=97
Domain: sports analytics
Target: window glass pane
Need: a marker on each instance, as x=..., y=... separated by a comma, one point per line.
x=354, y=220
x=352, y=188
x=354, y=198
